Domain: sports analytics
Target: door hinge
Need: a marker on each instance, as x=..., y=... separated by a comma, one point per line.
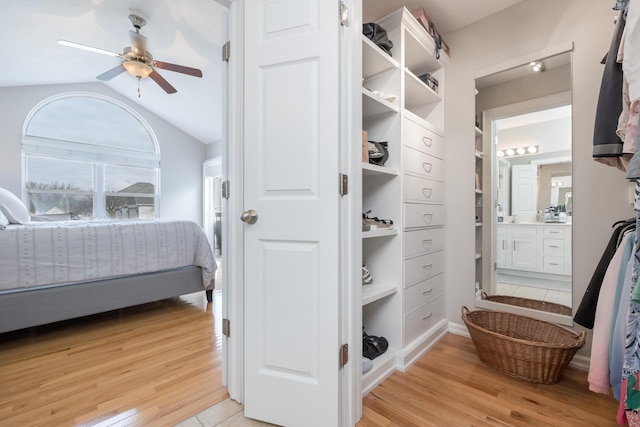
x=344, y=184
x=344, y=14
x=226, y=328
x=226, y=51
x=344, y=355
x=225, y=189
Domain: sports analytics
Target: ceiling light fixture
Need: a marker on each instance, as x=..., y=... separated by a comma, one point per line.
x=509, y=152
x=537, y=66
x=137, y=68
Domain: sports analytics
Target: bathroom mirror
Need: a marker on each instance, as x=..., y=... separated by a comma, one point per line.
x=523, y=114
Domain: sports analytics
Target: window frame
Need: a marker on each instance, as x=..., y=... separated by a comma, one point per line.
x=99, y=156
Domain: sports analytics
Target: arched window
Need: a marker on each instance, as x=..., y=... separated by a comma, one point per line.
x=89, y=156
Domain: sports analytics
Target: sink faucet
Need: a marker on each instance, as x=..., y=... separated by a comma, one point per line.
x=514, y=219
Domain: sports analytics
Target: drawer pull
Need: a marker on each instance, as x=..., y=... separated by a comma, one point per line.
x=427, y=141
x=554, y=246
x=554, y=263
x=427, y=267
x=428, y=291
x=553, y=232
x=427, y=192
x=427, y=218
x=427, y=316
x=427, y=243
x=427, y=167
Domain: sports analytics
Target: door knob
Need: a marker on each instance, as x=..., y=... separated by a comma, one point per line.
x=250, y=216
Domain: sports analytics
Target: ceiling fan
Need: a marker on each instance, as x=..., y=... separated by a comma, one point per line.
x=137, y=60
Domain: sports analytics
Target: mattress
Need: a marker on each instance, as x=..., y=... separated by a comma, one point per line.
x=49, y=253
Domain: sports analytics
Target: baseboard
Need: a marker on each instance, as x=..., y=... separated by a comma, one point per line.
x=411, y=353
x=580, y=362
x=459, y=329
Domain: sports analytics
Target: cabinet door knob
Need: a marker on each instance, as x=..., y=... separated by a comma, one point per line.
x=427, y=167
x=427, y=141
x=427, y=192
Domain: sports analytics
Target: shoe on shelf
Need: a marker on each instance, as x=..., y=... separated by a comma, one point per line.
x=376, y=223
x=366, y=275
x=367, y=364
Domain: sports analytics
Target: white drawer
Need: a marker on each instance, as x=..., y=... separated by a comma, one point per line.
x=423, y=267
x=419, y=215
x=553, y=247
x=553, y=232
x=423, y=292
x=524, y=230
x=421, y=319
x=422, y=164
x=418, y=189
x=422, y=139
x=418, y=242
x=553, y=264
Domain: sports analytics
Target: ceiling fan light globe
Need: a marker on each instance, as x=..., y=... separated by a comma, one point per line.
x=137, y=69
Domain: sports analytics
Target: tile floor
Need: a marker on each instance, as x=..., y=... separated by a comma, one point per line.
x=552, y=291
x=227, y=413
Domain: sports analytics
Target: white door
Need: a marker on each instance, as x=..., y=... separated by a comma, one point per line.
x=524, y=190
x=291, y=255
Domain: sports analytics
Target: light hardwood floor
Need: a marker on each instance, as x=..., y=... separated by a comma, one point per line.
x=449, y=386
x=152, y=365
x=159, y=364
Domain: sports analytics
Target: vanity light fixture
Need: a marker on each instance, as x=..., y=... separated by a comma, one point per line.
x=519, y=151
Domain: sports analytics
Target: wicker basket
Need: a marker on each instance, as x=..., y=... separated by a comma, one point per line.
x=522, y=347
x=535, y=304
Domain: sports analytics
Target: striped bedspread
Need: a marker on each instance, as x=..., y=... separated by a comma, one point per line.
x=43, y=253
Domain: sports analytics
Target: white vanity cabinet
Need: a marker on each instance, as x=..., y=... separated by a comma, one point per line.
x=535, y=247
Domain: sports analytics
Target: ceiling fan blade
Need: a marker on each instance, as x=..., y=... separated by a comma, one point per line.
x=178, y=68
x=138, y=43
x=162, y=82
x=89, y=48
x=108, y=75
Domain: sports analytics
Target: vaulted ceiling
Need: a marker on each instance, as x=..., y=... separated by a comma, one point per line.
x=185, y=32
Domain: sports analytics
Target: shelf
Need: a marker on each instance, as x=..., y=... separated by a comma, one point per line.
x=479, y=154
x=376, y=291
x=478, y=131
x=374, y=60
x=478, y=256
x=417, y=94
x=369, y=169
x=478, y=224
x=383, y=366
x=373, y=105
x=478, y=191
x=379, y=233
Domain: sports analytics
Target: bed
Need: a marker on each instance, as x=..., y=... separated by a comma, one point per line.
x=57, y=270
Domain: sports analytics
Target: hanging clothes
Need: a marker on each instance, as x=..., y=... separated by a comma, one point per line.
x=599, y=376
x=607, y=146
x=586, y=312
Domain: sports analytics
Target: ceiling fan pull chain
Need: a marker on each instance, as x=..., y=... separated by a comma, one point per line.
x=138, y=87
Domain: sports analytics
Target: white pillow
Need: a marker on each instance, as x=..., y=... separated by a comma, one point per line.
x=3, y=221
x=13, y=208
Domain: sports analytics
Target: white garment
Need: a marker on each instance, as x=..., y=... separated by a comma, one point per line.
x=631, y=62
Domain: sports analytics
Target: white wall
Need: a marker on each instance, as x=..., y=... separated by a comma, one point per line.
x=600, y=192
x=181, y=155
